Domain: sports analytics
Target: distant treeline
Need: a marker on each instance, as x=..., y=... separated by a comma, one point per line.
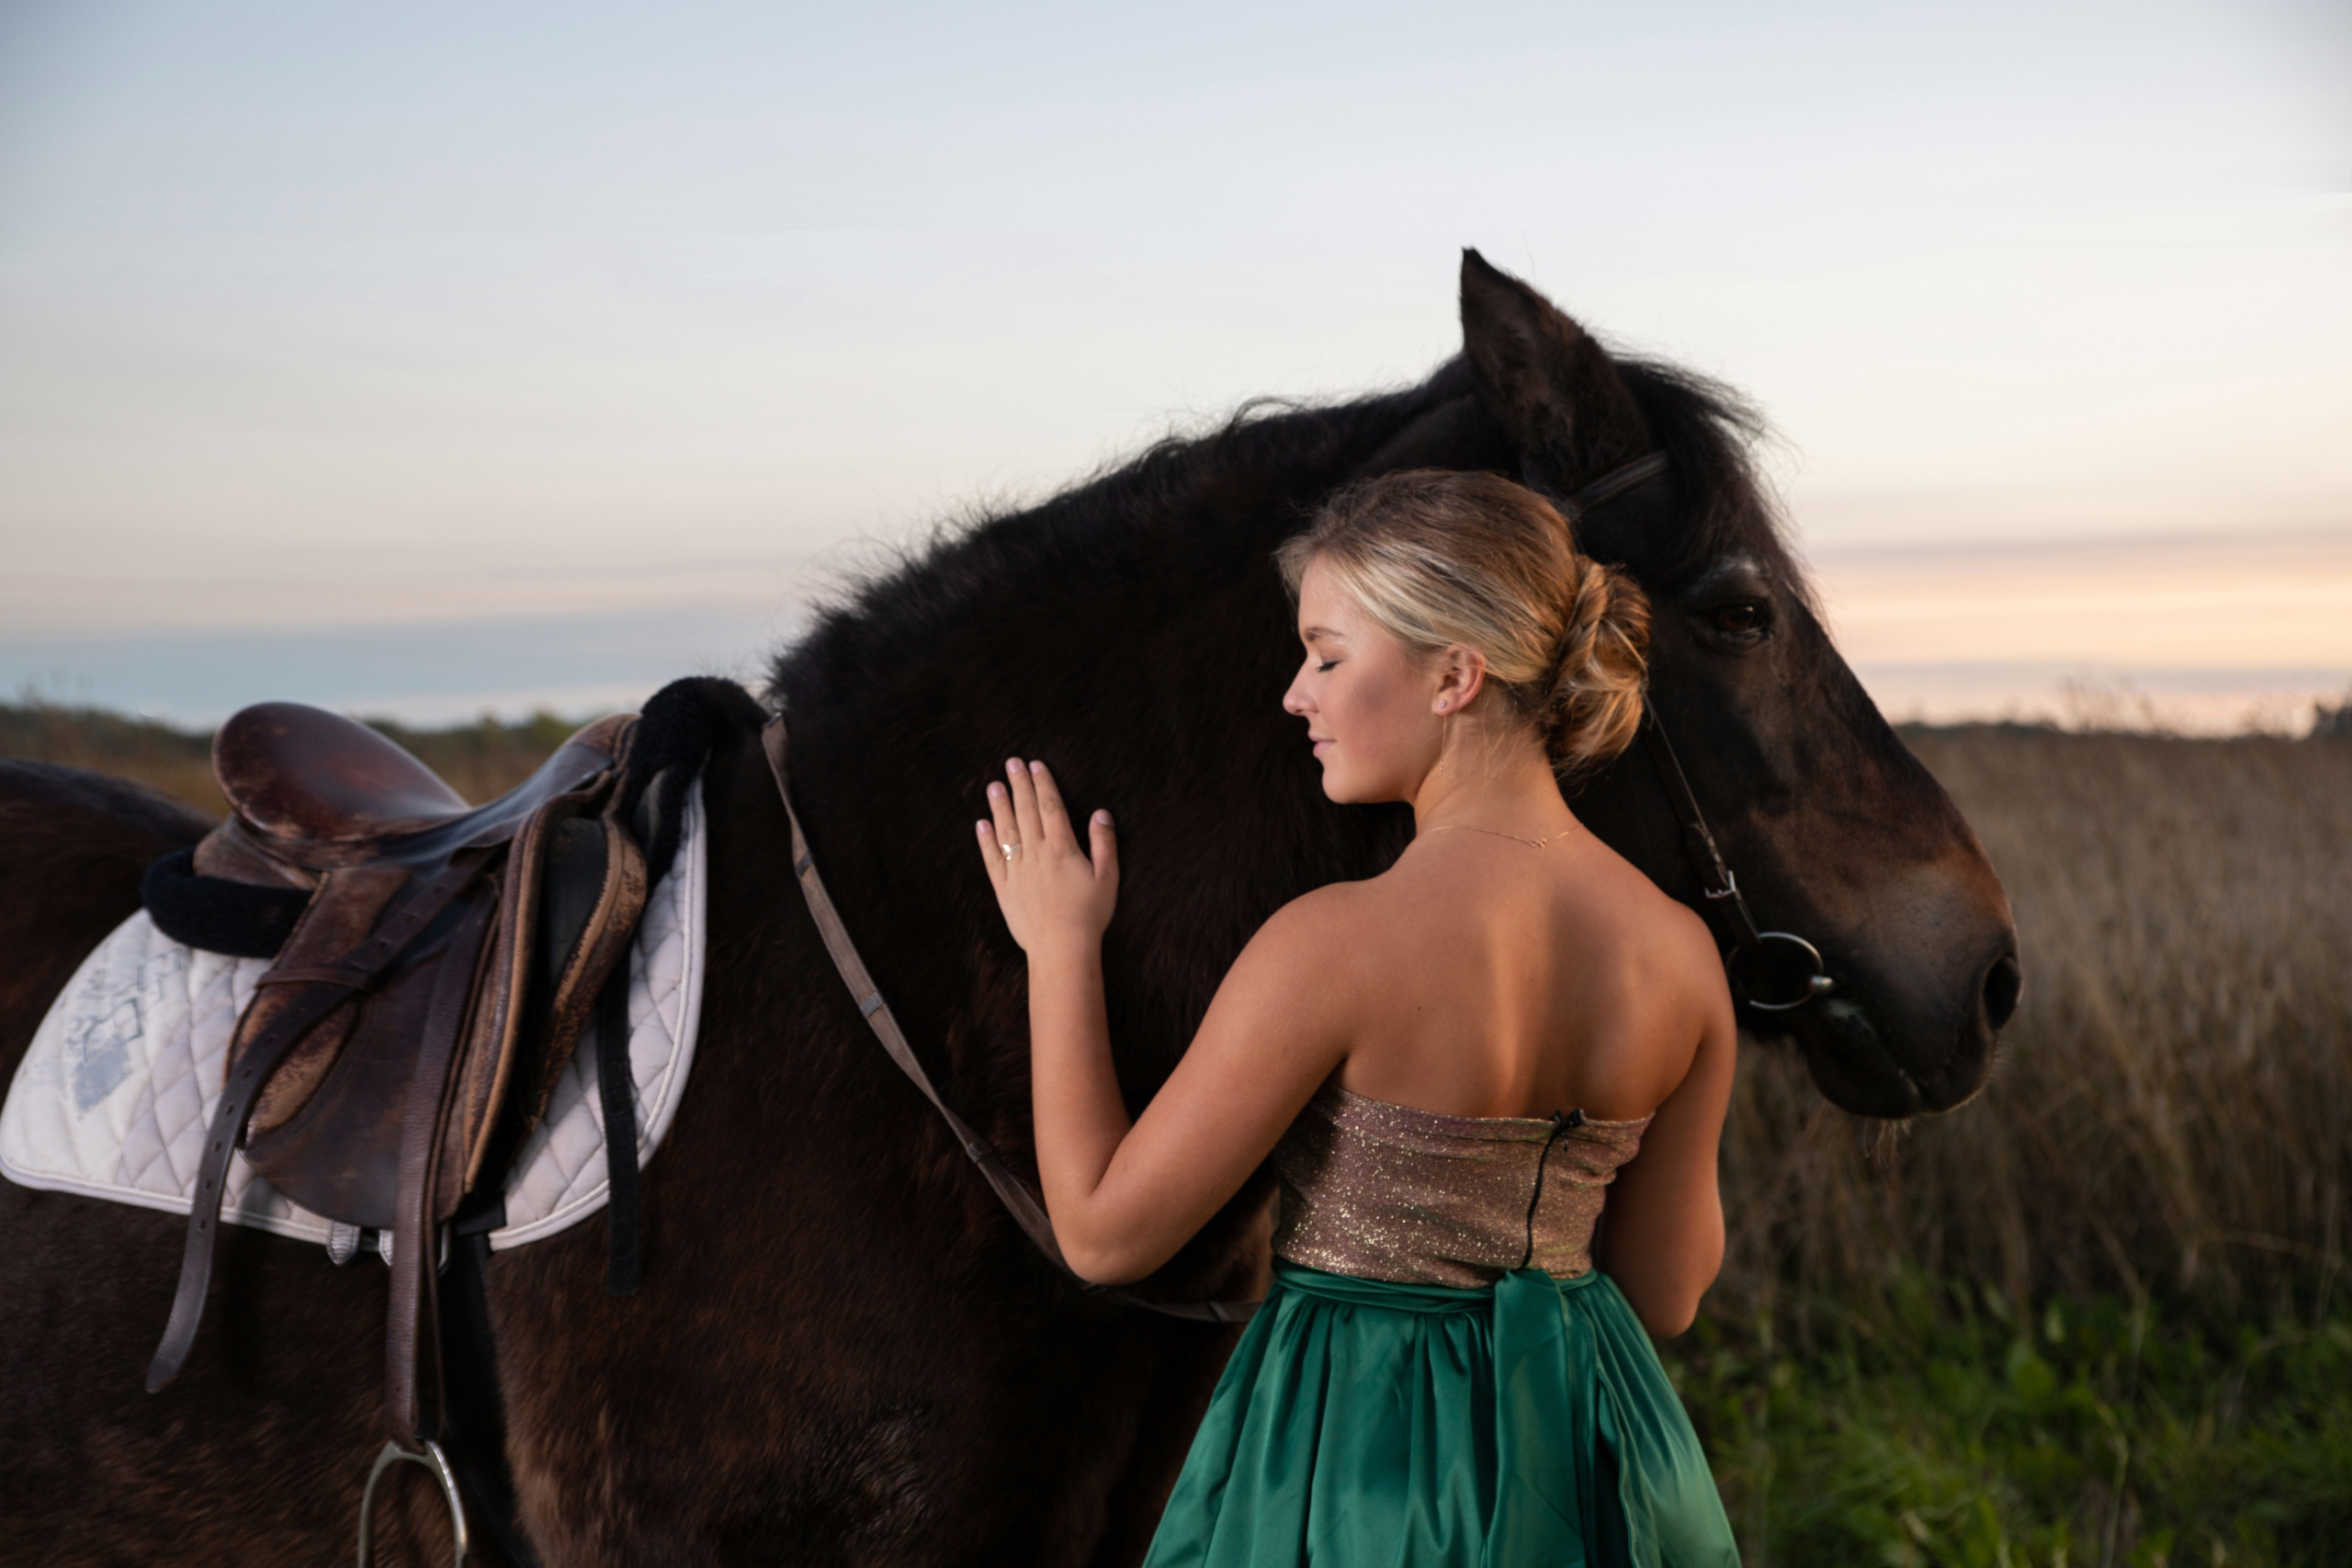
x=480, y=759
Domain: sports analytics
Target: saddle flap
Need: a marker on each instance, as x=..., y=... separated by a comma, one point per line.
x=330, y=928
x=332, y=1138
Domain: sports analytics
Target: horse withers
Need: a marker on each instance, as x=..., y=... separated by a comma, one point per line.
x=842, y=1351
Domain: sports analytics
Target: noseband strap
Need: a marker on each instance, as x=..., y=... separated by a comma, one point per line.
x=1746, y=946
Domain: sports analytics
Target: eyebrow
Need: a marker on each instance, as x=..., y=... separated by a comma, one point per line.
x=1308, y=634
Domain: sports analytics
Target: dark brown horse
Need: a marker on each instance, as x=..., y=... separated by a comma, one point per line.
x=844, y=1352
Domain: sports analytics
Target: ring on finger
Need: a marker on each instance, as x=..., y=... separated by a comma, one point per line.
x=1009, y=849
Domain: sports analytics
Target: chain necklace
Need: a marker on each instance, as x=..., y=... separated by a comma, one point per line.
x=1499, y=833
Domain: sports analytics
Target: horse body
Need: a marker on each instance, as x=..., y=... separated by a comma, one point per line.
x=844, y=1350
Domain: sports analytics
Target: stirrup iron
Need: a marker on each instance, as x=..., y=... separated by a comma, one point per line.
x=428, y=1454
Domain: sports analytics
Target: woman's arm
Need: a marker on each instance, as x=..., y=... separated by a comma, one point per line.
x=1124, y=1197
x=1662, y=1230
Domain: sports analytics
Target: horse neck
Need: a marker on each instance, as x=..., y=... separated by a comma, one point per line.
x=1133, y=633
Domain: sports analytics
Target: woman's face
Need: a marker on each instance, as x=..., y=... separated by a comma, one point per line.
x=1370, y=706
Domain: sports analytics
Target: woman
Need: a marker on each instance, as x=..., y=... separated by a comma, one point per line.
x=1452, y=1065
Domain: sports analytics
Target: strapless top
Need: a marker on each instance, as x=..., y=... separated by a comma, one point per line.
x=1393, y=1192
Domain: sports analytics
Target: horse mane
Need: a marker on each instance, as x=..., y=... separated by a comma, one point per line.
x=1196, y=492
x=1086, y=537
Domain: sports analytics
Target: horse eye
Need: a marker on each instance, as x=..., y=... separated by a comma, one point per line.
x=1742, y=619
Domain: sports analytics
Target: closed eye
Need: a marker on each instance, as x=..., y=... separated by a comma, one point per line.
x=1325, y=668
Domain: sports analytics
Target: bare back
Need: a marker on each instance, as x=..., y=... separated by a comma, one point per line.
x=1485, y=977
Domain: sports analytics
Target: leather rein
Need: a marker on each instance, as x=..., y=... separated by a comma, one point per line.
x=1715, y=881
x=1018, y=1200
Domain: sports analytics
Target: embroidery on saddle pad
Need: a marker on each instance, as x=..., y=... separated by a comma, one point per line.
x=114, y=1094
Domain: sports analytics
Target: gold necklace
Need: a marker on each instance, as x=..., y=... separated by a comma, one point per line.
x=1499, y=833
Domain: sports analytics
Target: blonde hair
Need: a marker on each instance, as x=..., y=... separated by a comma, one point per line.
x=1438, y=558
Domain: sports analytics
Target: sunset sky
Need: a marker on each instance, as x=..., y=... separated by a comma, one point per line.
x=664, y=318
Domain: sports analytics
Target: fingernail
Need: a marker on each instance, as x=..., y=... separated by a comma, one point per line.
x=1037, y=767
x=1012, y=764
x=996, y=791
x=1103, y=817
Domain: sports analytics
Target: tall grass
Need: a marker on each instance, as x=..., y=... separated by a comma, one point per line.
x=2170, y=1107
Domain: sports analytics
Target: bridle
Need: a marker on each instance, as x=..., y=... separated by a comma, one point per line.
x=1744, y=946
x=1715, y=881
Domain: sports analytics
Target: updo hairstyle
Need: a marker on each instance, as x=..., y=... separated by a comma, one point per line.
x=1440, y=558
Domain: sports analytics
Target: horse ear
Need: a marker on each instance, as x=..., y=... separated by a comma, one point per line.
x=1555, y=390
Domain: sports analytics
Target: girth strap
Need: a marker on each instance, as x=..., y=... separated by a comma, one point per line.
x=254, y=1063
x=1018, y=1200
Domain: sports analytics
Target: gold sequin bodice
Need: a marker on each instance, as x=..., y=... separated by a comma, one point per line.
x=1391, y=1192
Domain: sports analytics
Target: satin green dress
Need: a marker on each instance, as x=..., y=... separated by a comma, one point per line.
x=1492, y=1402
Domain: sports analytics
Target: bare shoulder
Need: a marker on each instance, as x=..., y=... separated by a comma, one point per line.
x=1301, y=943
x=1678, y=938
x=1318, y=927
x=1662, y=988
x=1642, y=921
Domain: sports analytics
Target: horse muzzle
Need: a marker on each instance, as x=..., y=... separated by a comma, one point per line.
x=1887, y=1051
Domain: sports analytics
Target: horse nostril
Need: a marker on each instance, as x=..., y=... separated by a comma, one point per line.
x=2002, y=983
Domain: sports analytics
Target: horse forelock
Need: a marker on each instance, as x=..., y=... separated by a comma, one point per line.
x=1710, y=433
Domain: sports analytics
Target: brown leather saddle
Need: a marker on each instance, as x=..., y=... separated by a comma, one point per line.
x=432, y=990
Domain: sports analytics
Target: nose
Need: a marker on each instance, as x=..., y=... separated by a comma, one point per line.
x=2004, y=982
x=1960, y=1074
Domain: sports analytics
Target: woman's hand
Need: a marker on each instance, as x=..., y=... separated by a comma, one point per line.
x=1054, y=895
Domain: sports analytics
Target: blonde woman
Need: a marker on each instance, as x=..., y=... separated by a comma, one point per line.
x=1454, y=1067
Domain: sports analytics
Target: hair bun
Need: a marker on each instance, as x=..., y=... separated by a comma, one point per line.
x=1593, y=701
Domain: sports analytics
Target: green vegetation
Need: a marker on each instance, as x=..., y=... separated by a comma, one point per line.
x=1955, y=1430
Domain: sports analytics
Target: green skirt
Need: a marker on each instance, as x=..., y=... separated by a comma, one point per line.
x=1362, y=1424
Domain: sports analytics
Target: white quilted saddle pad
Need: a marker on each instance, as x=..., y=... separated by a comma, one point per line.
x=114, y=1095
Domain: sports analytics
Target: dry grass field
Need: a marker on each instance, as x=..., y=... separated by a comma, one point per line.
x=2170, y=1107
x=2097, y=1316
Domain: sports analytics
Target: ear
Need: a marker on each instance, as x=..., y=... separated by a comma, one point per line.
x=1461, y=675
x=1555, y=391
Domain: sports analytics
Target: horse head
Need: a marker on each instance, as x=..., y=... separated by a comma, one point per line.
x=1834, y=831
